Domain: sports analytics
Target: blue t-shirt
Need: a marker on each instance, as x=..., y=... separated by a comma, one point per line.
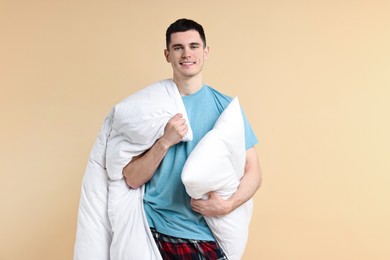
x=167, y=205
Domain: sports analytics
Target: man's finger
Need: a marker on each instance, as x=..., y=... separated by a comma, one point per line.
x=178, y=115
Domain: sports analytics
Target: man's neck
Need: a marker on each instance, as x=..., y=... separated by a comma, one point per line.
x=188, y=86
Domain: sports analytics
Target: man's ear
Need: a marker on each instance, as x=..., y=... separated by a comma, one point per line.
x=206, y=52
x=166, y=54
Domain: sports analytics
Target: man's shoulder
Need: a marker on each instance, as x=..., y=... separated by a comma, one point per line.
x=221, y=100
x=218, y=94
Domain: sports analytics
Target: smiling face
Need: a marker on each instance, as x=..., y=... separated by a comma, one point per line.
x=186, y=53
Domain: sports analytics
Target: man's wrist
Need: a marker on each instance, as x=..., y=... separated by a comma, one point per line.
x=230, y=206
x=163, y=144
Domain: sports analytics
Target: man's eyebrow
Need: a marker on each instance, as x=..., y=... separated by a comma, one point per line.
x=177, y=45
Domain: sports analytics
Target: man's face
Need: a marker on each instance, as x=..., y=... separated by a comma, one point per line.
x=186, y=54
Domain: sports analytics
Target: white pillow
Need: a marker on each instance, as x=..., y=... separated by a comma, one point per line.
x=217, y=164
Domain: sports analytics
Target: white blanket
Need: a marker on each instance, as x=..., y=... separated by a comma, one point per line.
x=111, y=220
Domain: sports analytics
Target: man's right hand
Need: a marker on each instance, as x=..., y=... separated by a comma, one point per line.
x=141, y=169
x=174, y=131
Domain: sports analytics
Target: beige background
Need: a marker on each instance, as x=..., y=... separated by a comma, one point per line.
x=312, y=76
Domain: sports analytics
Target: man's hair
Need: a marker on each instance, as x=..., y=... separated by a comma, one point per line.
x=183, y=25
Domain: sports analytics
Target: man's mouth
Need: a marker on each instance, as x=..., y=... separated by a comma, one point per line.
x=187, y=63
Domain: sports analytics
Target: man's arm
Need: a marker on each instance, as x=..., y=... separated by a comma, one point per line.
x=141, y=168
x=249, y=184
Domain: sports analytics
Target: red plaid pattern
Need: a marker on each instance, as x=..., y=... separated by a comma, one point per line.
x=173, y=248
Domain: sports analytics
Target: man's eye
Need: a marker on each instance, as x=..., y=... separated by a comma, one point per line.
x=195, y=46
x=177, y=48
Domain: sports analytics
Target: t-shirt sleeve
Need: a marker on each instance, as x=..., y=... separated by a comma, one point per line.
x=250, y=137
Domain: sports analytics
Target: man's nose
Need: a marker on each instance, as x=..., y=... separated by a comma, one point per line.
x=186, y=53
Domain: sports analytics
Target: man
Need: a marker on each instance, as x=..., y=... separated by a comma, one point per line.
x=175, y=219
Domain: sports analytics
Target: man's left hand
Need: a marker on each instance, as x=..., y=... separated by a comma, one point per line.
x=214, y=206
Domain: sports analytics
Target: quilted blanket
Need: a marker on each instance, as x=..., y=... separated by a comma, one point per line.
x=111, y=221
